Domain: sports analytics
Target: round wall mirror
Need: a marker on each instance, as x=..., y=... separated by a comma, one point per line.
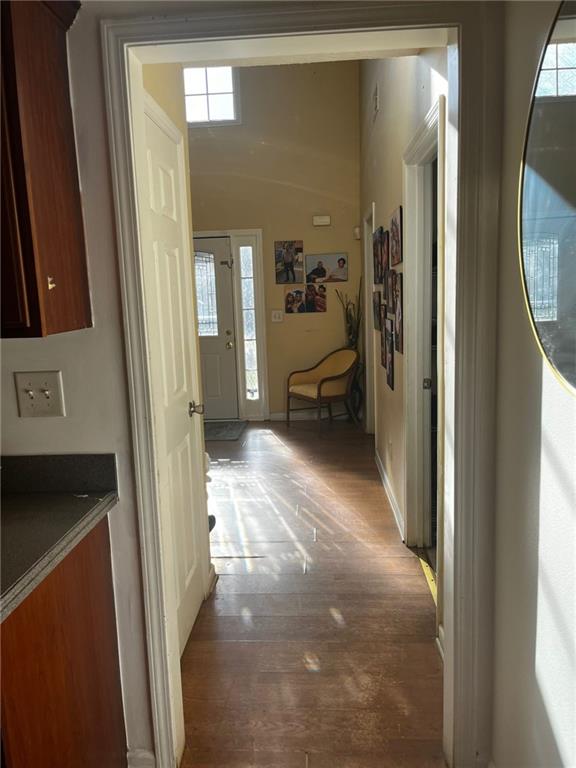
x=548, y=202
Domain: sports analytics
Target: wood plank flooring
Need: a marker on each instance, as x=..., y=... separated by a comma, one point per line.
x=316, y=649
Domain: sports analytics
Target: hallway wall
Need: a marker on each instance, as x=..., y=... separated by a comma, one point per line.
x=535, y=579
x=294, y=154
x=408, y=87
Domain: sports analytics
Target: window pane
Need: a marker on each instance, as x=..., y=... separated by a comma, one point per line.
x=550, y=58
x=541, y=264
x=567, y=54
x=547, y=84
x=220, y=80
x=567, y=82
x=222, y=107
x=249, y=324
x=206, y=294
x=196, y=109
x=250, y=355
x=194, y=80
x=246, y=261
x=252, y=385
x=247, y=294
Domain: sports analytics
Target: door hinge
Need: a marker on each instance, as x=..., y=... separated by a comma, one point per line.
x=427, y=384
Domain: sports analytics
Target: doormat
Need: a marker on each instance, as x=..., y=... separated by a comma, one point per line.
x=223, y=430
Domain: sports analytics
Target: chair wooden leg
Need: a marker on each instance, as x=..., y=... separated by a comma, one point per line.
x=319, y=416
x=329, y=411
x=288, y=410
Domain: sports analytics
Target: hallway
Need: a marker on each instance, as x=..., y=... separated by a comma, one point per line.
x=317, y=647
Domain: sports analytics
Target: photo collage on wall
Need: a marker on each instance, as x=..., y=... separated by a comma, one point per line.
x=388, y=302
x=305, y=276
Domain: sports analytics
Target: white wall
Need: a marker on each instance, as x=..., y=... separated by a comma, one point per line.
x=408, y=88
x=93, y=370
x=535, y=579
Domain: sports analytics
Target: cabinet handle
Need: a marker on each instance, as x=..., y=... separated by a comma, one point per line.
x=51, y=283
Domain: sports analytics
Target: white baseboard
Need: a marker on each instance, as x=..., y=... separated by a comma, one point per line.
x=440, y=641
x=141, y=758
x=391, y=498
x=306, y=414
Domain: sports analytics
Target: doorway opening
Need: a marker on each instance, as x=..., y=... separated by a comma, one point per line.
x=122, y=46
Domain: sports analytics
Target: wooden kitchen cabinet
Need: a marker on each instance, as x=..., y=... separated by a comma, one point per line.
x=44, y=275
x=61, y=695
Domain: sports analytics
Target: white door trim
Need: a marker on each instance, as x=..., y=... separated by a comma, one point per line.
x=473, y=165
x=369, y=365
x=253, y=410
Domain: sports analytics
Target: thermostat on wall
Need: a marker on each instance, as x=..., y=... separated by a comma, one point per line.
x=321, y=221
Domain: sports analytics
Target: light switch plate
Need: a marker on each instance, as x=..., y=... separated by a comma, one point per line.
x=277, y=316
x=39, y=393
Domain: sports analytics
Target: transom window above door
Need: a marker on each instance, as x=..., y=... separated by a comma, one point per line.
x=211, y=95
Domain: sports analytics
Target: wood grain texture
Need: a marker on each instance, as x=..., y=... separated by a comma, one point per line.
x=317, y=647
x=44, y=160
x=61, y=699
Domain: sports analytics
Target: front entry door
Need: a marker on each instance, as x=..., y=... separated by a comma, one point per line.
x=215, y=302
x=174, y=369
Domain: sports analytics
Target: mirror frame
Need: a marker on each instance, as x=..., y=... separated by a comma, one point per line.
x=557, y=373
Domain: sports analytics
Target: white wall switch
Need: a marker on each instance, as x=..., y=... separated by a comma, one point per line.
x=39, y=393
x=321, y=221
x=277, y=316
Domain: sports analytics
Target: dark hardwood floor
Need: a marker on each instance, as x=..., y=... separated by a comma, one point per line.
x=317, y=648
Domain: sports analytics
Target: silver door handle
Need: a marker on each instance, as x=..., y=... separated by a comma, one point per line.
x=195, y=408
x=229, y=344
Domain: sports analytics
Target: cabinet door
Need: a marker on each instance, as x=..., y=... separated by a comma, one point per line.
x=61, y=697
x=40, y=69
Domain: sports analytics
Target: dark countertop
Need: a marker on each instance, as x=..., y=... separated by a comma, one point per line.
x=38, y=531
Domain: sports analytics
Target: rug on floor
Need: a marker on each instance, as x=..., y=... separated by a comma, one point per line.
x=223, y=430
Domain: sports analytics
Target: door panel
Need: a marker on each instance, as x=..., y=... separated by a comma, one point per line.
x=215, y=302
x=173, y=350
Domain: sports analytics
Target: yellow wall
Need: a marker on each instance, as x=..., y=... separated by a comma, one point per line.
x=408, y=87
x=295, y=154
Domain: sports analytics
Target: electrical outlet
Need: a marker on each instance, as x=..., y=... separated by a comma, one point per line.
x=39, y=393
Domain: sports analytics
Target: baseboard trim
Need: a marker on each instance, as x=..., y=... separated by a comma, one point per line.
x=212, y=579
x=390, y=494
x=440, y=641
x=140, y=758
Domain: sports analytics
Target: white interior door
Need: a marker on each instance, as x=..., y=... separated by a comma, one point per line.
x=174, y=366
x=215, y=306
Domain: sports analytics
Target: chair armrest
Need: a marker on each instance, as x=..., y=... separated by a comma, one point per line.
x=306, y=376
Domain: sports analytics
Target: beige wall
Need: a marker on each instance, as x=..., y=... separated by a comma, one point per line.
x=535, y=579
x=408, y=87
x=295, y=154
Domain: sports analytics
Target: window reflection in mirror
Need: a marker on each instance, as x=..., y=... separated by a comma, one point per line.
x=548, y=209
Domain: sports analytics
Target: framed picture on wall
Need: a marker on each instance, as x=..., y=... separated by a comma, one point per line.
x=389, y=351
x=390, y=290
x=396, y=237
x=294, y=303
x=399, y=313
x=315, y=298
x=382, y=335
x=376, y=255
x=376, y=301
x=289, y=261
x=326, y=267
x=384, y=251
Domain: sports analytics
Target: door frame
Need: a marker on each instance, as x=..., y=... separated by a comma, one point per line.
x=473, y=169
x=368, y=223
x=428, y=143
x=252, y=410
